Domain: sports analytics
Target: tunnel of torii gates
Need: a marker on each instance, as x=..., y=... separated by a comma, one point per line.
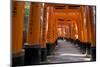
x=46, y=24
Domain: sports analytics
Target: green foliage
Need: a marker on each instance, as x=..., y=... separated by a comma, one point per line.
x=27, y=8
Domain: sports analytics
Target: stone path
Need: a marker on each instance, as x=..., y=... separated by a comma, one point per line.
x=66, y=52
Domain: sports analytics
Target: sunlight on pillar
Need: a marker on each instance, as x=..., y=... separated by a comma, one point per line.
x=76, y=36
x=47, y=18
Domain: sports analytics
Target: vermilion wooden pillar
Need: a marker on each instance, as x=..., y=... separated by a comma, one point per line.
x=50, y=25
x=75, y=31
x=82, y=30
x=79, y=30
x=87, y=29
x=84, y=23
x=92, y=25
x=78, y=39
x=92, y=28
x=34, y=25
x=54, y=32
x=33, y=46
x=44, y=25
x=67, y=31
x=50, y=33
x=17, y=32
x=72, y=32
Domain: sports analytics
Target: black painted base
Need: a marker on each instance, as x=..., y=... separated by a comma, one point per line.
x=60, y=38
x=56, y=42
x=32, y=54
x=69, y=39
x=50, y=48
x=66, y=39
x=43, y=54
x=76, y=41
x=80, y=44
x=93, y=53
x=18, y=60
x=83, y=48
x=88, y=48
x=72, y=40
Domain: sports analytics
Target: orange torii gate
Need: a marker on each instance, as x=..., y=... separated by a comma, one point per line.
x=52, y=30
x=81, y=23
x=91, y=26
x=87, y=31
x=77, y=24
x=33, y=45
x=37, y=34
x=17, y=33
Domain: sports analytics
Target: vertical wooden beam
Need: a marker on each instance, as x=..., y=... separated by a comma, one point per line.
x=50, y=33
x=34, y=25
x=73, y=32
x=50, y=25
x=88, y=29
x=67, y=34
x=79, y=30
x=17, y=32
x=93, y=26
x=33, y=46
x=92, y=30
x=76, y=31
x=54, y=32
x=83, y=29
x=44, y=22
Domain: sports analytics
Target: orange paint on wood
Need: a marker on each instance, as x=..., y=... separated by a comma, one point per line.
x=92, y=26
x=34, y=24
x=44, y=22
x=50, y=25
x=17, y=26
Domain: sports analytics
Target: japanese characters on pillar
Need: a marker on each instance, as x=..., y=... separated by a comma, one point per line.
x=43, y=25
x=17, y=26
x=33, y=46
x=34, y=32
